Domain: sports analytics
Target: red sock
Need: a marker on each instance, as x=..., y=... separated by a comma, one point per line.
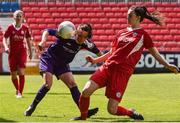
x=123, y=111
x=83, y=106
x=15, y=83
x=21, y=83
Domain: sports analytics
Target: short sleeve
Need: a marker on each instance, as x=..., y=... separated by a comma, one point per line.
x=7, y=32
x=148, y=43
x=90, y=46
x=52, y=32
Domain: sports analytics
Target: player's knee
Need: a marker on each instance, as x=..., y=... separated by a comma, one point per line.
x=48, y=85
x=112, y=110
x=86, y=93
x=71, y=84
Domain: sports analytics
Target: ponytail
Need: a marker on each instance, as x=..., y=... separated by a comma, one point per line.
x=144, y=13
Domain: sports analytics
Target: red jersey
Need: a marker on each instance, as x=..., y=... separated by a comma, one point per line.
x=16, y=36
x=128, y=47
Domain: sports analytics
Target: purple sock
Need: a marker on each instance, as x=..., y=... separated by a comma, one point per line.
x=40, y=95
x=75, y=94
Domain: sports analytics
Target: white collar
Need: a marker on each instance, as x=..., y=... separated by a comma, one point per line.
x=16, y=27
x=132, y=29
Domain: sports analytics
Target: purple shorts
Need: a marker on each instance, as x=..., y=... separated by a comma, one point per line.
x=47, y=64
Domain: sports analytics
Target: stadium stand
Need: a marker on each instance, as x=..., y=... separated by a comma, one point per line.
x=106, y=18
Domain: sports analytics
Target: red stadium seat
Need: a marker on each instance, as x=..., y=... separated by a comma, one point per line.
x=32, y=4
x=42, y=26
x=170, y=26
x=97, y=26
x=24, y=4
x=177, y=26
x=168, y=38
x=28, y=14
x=76, y=20
x=110, y=15
x=46, y=15
x=100, y=32
x=49, y=20
x=103, y=20
x=31, y=20
x=70, y=9
x=97, y=9
x=51, y=25
x=105, y=4
x=100, y=15
x=33, y=26
x=51, y=4
x=26, y=9
x=43, y=9
x=106, y=26
x=171, y=44
x=58, y=20
x=34, y=9
x=164, y=32
x=53, y=9
x=60, y=4
x=36, y=32
x=107, y=9
x=42, y=4
x=94, y=20
x=113, y=4
x=55, y=15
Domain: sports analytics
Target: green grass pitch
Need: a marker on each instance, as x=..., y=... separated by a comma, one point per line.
x=156, y=96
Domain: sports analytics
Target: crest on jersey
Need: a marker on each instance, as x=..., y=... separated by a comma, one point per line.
x=118, y=94
x=134, y=34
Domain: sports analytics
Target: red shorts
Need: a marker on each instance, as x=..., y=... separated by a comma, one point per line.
x=17, y=60
x=115, y=80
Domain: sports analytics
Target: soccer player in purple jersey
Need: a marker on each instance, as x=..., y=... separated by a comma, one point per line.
x=55, y=60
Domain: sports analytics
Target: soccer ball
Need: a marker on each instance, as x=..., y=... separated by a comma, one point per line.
x=66, y=29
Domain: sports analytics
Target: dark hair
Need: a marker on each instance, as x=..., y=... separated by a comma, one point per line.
x=86, y=27
x=144, y=13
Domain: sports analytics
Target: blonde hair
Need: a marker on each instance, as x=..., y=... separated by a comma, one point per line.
x=17, y=12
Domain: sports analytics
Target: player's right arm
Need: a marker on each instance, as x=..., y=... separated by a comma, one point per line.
x=99, y=59
x=5, y=39
x=45, y=35
x=5, y=45
x=43, y=40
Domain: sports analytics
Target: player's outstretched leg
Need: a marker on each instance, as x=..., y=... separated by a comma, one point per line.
x=136, y=116
x=39, y=96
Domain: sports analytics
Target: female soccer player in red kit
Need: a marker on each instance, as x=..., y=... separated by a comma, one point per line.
x=17, y=32
x=120, y=63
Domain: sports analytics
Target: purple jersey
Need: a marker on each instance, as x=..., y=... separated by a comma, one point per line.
x=57, y=57
x=64, y=50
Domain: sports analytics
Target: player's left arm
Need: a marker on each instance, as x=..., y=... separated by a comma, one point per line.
x=28, y=40
x=29, y=47
x=155, y=53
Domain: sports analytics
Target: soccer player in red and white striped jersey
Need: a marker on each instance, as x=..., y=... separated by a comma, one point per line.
x=120, y=63
x=17, y=32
